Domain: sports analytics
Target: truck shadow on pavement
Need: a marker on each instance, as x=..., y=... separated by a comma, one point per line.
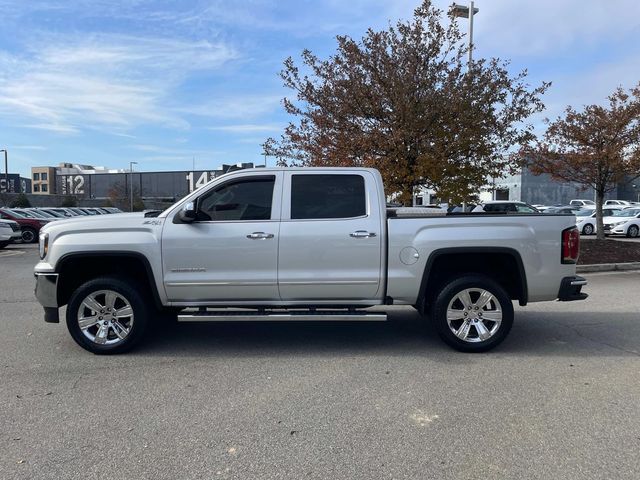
x=405, y=333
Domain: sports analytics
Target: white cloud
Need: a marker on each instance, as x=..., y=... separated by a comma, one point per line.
x=244, y=128
x=104, y=82
x=510, y=28
x=27, y=147
x=240, y=106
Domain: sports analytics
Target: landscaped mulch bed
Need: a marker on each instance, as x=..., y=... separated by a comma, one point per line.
x=608, y=251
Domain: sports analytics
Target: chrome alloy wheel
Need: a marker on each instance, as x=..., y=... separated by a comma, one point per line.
x=474, y=315
x=105, y=317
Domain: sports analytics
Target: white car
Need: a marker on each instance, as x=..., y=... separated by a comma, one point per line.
x=9, y=232
x=586, y=218
x=626, y=223
x=504, y=206
x=622, y=203
x=583, y=203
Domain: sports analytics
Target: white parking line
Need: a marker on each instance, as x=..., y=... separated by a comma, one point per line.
x=11, y=253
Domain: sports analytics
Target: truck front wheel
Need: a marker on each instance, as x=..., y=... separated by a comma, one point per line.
x=107, y=315
x=472, y=313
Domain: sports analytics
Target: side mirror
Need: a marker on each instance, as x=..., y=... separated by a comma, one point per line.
x=188, y=213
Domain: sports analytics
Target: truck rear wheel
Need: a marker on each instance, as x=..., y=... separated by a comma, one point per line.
x=107, y=315
x=473, y=313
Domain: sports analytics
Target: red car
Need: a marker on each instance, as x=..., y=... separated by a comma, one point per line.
x=30, y=226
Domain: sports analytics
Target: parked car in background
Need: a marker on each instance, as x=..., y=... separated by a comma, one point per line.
x=565, y=210
x=9, y=232
x=586, y=218
x=505, y=206
x=34, y=213
x=51, y=211
x=622, y=203
x=63, y=212
x=583, y=203
x=624, y=222
x=29, y=225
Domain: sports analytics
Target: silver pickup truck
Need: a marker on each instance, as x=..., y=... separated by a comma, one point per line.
x=301, y=244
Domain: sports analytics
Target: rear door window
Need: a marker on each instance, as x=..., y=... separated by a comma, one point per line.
x=525, y=208
x=327, y=196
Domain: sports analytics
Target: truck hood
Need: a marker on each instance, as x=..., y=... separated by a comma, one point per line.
x=113, y=223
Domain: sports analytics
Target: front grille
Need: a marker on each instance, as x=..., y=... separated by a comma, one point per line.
x=607, y=226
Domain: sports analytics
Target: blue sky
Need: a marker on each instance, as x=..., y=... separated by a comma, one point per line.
x=106, y=82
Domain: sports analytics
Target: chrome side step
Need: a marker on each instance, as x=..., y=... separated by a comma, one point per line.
x=281, y=315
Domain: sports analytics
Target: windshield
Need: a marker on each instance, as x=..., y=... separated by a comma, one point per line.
x=631, y=212
x=53, y=213
x=585, y=212
x=33, y=214
x=14, y=213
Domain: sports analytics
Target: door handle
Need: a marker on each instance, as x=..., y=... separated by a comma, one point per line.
x=259, y=236
x=362, y=234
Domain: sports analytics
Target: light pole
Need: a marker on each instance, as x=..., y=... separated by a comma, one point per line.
x=463, y=12
x=6, y=171
x=131, y=164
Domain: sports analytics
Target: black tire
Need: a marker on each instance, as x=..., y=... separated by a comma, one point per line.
x=139, y=319
x=29, y=235
x=474, y=343
x=587, y=229
x=3, y=245
x=633, y=231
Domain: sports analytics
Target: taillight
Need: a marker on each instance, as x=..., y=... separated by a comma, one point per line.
x=570, y=245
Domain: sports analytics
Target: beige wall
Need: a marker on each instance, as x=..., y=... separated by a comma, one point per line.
x=40, y=186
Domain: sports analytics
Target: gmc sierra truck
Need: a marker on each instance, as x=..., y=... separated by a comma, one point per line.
x=301, y=244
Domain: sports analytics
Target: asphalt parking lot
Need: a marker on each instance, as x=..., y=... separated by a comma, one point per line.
x=558, y=400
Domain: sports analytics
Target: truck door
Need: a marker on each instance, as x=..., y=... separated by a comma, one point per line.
x=230, y=251
x=330, y=237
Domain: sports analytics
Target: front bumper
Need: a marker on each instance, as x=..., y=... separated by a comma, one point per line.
x=47, y=295
x=570, y=289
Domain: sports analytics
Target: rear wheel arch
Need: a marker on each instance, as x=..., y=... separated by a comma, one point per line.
x=446, y=264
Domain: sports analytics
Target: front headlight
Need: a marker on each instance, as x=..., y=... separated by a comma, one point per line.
x=43, y=246
x=617, y=224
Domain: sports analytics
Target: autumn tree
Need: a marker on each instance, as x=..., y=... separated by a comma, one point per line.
x=598, y=147
x=404, y=100
x=20, y=201
x=120, y=197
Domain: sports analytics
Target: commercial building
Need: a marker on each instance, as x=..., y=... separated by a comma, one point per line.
x=89, y=182
x=524, y=186
x=14, y=183
x=43, y=180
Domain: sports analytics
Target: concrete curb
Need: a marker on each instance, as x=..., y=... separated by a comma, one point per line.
x=608, y=267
